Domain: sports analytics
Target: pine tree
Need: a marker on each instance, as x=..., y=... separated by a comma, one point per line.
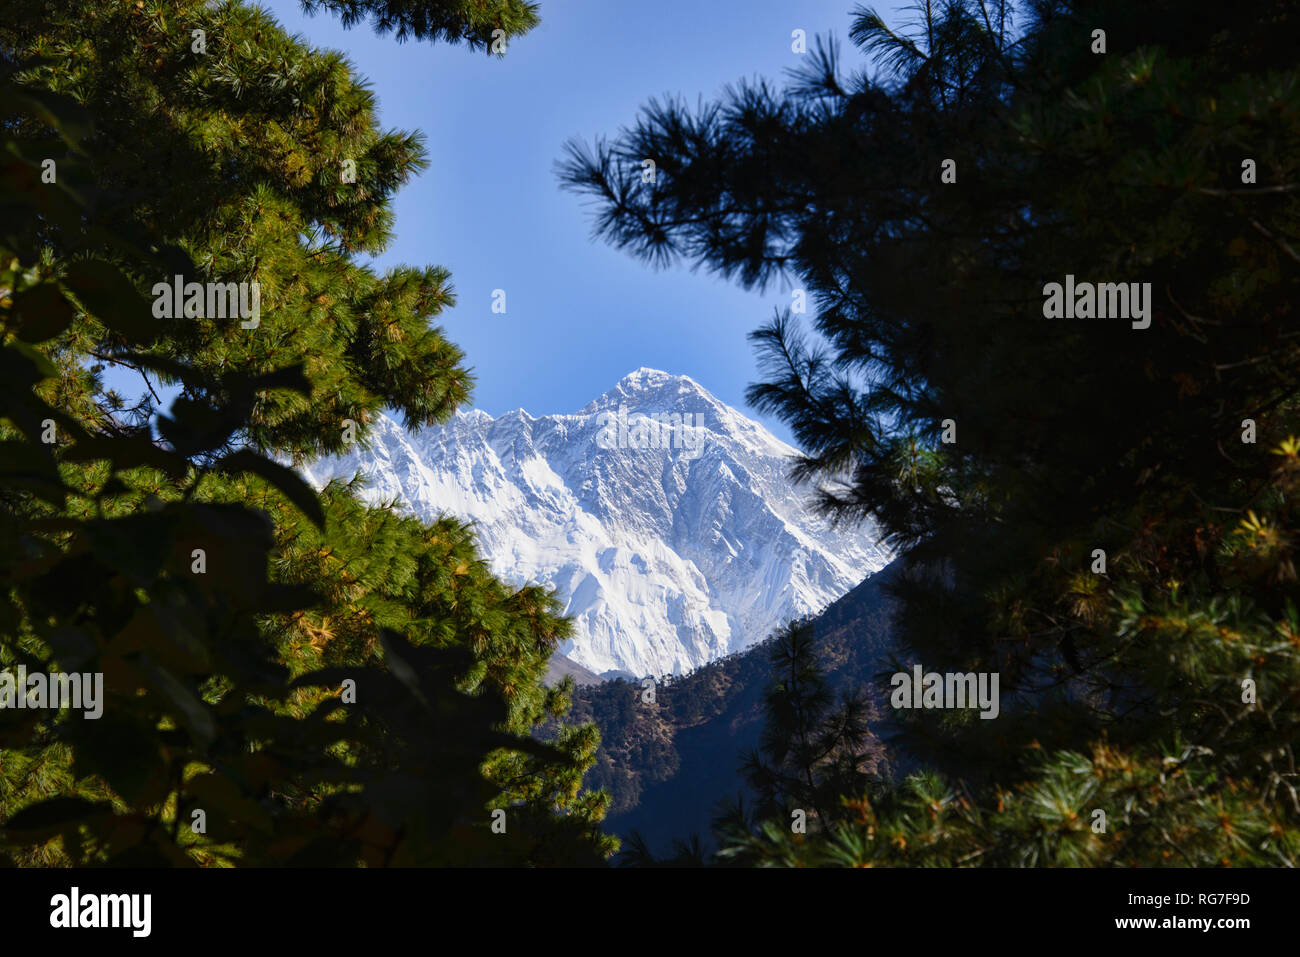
x=223, y=150
x=448, y=20
x=813, y=757
x=1097, y=509
x=814, y=744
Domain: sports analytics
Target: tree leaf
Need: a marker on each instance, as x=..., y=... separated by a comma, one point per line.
x=43, y=312
x=112, y=299
x=285, y=479
x=53, y=815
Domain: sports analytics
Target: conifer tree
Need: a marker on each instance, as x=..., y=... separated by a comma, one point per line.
x=813, y=757
x=448, y=20
x=1097, y=509
x=813, y=746
x=222, y=150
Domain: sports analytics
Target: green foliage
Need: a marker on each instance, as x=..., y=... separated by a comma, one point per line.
x=1125, y=691
x=233, y=611
x=240, y=155
x=448, y=20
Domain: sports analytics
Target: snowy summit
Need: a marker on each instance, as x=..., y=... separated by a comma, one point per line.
x=662, y=517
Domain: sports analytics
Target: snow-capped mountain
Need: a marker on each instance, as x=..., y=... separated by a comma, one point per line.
x=661, y=516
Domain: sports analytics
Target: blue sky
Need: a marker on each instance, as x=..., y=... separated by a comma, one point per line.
x=580, y=314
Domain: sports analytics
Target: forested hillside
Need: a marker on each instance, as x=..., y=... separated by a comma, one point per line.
x=667, y=763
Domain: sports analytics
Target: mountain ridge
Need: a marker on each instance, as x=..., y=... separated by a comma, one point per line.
x=661, y=516
x=669, y=763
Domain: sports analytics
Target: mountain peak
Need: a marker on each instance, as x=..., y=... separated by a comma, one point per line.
x=655, y=382
x=666, y=555
x=647, y=378
x=473, y=416
x=653, y=390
